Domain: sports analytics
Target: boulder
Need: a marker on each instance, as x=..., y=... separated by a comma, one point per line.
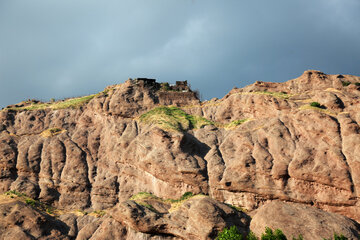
x=295, y=219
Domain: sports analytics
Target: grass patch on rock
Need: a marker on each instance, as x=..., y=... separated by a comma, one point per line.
x=62, y=104
x=97, y=213
x=318, y=109
x=281, y=95
x=52, y=132
x=173, y=118
x=235, y=123
x=69, y=103
x=142, y=197
x=36, y=204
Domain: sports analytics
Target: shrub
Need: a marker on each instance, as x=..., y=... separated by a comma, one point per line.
x=300, y=237
x=270, y=235
x=165, y=86
x=31, y=202
x=341, y=237
x=357, y=84
x=337, y=237
x=345, y=83
x=99, y=213
x=14, y=192
x=315, y=104
x=186, y=196
x=251, y=236
x=231, y=233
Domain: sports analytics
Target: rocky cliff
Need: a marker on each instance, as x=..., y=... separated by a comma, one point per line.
x=294, y=144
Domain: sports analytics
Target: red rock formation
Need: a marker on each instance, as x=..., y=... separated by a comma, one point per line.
x=102, y=154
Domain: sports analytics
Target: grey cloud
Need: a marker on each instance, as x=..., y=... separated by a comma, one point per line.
x=70, y=48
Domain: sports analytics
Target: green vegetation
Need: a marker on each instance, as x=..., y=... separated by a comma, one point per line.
x=98, y=213
x=11, y=193
x=173, y=118
x=300, y=237
x=29, y=201
x=68, y=103
x=251, y=236
x=345, y=83
x=236, y=208
x=148, y=206
x=357, y=84
x=143, y=195
x=337, y=237
x=236, y=123
x=165, y=86
x=315, y=104
x=184, y=197
x=282, y=95
x=52, y=132
x=273, y=235
x=82, y=212
x=321, y=109
x=231, y=233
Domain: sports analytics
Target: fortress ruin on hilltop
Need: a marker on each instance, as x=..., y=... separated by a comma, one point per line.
x=179, y=94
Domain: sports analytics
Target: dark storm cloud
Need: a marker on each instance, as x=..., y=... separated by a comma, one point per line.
x=70, y=48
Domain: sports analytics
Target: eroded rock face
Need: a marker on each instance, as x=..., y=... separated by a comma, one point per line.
x=297, y=219
x=101, y=153
x=198, y=218
x=19, y=221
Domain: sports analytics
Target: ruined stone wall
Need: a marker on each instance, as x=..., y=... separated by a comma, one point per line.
x=178, y=98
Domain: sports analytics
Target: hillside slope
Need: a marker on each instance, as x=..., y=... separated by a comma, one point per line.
x=296, y=141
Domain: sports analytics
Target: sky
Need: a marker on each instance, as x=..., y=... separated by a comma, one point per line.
x=60, y=49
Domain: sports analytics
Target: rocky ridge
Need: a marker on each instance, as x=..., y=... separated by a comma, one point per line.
x=259, y=145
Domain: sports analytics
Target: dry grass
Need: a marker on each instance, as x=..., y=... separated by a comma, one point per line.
x=281, y=95
x=333, y=90
x=321, y=110
x=63, y=104
x=17, y=196
x=234, y=124
x=141, y=197
x=52, y=132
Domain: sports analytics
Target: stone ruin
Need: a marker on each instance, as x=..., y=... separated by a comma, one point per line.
x=181, y=86
x=179, y=94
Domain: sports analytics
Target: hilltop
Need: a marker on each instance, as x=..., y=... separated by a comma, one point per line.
x=147, y=160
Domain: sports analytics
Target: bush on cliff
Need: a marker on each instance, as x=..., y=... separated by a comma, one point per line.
x=231, y=233
x=273, y=235
x=315, y=104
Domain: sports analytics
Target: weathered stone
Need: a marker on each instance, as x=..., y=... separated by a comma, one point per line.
x=103, y=154
x=297, y=219
x=197, y=218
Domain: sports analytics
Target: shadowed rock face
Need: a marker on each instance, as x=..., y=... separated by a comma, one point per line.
x=198, y=218
x=19, y=221
x=102, y=153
